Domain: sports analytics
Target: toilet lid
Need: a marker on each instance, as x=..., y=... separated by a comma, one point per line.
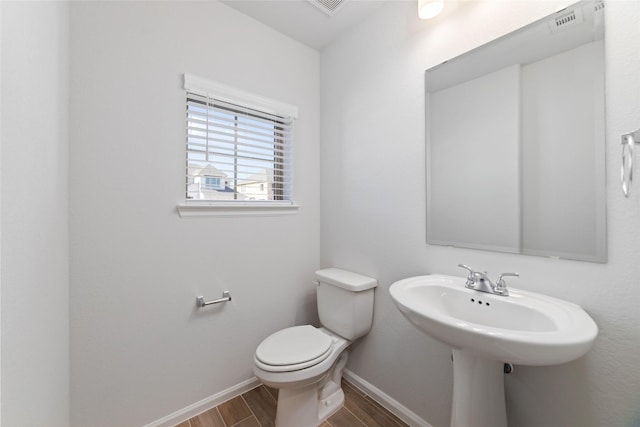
x=303, y=346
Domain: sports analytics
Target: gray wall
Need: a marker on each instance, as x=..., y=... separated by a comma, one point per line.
x=35, y=239
x=139, y=348
x=373, y=127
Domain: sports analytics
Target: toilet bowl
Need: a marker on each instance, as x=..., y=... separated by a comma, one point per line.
x=299, y=383
x=305, y=363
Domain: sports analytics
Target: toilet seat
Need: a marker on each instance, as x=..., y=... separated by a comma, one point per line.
x=292, y=349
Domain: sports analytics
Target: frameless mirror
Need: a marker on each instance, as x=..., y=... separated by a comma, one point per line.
x=516, y=141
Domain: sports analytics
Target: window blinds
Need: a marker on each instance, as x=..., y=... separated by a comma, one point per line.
x=245, y=151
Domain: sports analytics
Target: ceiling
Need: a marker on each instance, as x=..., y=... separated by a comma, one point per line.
x=302, y=21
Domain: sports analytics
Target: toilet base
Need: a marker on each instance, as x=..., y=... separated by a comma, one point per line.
x=297, y=407
x=301, y=408
x=312, y=404
x=330, y=405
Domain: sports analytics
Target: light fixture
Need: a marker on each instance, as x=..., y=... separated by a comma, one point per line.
x=427, y=9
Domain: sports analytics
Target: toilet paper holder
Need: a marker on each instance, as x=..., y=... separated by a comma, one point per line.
x=200, y=302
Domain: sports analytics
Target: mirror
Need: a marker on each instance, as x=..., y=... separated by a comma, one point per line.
x=516, y=141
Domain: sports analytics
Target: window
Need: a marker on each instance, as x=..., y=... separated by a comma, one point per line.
x=212, y=183
x=238, y=146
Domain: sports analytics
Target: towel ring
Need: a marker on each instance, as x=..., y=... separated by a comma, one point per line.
x=626, y=171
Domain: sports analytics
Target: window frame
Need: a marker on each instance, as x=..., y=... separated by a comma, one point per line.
x=190, y=207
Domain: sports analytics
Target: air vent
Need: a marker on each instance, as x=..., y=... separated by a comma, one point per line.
x=599, y=6
x=565, y=19
x=330, y=7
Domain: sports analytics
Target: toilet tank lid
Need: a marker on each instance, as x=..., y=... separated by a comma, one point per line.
x=346, y=279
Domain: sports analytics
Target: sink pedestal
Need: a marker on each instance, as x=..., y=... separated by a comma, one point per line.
x=478, y=392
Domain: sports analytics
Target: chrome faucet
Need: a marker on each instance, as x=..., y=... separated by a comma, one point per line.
x=479, y=281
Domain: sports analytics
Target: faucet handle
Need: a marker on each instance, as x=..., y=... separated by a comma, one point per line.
x=501, y=285
x=505, y=275
x=466, y=267
x=470, y=276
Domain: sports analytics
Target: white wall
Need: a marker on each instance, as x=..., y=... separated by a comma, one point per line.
x=140, y=350
x=35, y=276
x=373, y=110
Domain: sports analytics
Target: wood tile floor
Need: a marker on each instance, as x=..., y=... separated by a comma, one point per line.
x=257, y=408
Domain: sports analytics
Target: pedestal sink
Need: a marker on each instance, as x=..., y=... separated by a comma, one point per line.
x=487, y=330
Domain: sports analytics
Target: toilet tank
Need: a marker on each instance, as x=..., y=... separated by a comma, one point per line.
x=345, y=302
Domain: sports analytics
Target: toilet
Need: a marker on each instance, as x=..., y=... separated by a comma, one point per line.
x=305, y=363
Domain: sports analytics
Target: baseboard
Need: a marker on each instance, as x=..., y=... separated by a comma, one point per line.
x=205, y=404
x=212, y=401
x=385, y=400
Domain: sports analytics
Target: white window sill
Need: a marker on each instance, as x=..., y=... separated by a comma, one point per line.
x=205, y=209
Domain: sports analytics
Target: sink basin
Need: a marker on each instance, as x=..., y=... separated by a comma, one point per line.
x=523, y=328
x=486, y=330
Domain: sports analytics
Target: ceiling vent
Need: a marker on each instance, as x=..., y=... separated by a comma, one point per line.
x=565, y=19
x=330, y=7
x=599, y=6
